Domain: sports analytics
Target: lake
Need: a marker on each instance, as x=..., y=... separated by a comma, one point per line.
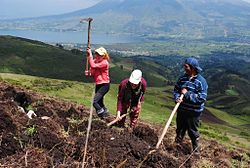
x=71, y=37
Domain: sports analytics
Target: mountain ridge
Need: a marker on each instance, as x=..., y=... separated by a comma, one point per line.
x=154, y=19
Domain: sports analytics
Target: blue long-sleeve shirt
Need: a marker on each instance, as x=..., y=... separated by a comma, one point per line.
x=194, y=99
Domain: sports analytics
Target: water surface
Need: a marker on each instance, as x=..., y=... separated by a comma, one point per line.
x=70, y=37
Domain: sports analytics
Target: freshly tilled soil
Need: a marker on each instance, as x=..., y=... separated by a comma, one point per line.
x=59, y=139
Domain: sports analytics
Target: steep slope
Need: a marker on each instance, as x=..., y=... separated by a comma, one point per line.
x=24, y=56
x=56, y=138
x=227, y=73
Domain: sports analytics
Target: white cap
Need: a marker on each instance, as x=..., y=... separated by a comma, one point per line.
x=135, y=76
x=101, y=51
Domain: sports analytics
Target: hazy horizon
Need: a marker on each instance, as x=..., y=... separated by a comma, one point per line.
x=11, y=9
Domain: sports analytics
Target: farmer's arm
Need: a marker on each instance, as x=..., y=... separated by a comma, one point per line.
x=196, y=97
x=103, y=64
x=121, y=91
x=177, y=89
x=88, y=72
x=92, y=71
x=144, y=87
x=120, y=95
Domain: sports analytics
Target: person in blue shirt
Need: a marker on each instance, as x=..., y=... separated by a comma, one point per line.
x=194, y=88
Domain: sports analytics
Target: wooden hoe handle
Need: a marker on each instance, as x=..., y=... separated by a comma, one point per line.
x=89, y=20
x=88, y=45
x=168, y=123
x=115, y=120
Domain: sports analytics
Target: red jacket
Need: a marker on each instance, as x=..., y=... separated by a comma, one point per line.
x=128, y=96
x=99, y=70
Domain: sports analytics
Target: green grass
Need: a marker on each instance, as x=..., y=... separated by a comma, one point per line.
x=232, y=120
x=235, y=130
x=232, y=92
x=68, y=90
x=24, y=56
x=226, y=135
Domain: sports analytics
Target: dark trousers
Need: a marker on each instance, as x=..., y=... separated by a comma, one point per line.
x=100, y=91
x=189, y=122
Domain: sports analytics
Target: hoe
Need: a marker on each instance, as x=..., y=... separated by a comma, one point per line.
x=89, y=20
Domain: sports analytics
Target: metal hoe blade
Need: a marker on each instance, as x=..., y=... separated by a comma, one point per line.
x=86, y=20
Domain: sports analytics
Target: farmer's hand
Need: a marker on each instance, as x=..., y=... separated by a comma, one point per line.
x=135, y=108
x=139, y=106
x=184, y=91
x=89, y=53
x=118, y=116
x=178, y=100
x=86, y=73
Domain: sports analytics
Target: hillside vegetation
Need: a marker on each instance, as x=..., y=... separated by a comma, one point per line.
x=57, y=136
x=226, y=70
x=24, y=56
x=226, y=67
x=156, y=108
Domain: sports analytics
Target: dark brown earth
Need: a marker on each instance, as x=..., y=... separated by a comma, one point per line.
x=59, y=140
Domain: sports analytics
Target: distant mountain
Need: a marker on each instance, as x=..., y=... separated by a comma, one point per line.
x=153, y=19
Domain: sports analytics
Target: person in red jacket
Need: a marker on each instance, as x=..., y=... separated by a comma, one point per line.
x=99, y=70
x=130, y=96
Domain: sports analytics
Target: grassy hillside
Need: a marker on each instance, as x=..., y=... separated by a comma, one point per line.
x=24, y=56
x=81, y=93
x=226, y=69
x=226, y=66
x=156, y=108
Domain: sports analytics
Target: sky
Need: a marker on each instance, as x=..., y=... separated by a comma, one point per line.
x=10, y=9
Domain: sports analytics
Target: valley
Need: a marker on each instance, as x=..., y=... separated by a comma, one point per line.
x=44, y=58
x=163, y=20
